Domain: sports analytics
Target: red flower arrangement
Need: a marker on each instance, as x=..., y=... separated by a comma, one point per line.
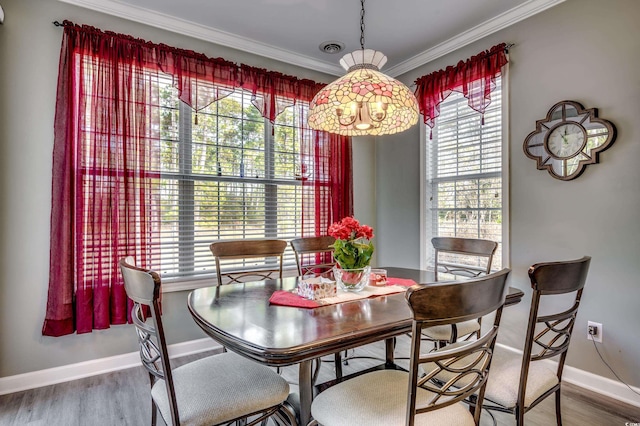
x=352, y=248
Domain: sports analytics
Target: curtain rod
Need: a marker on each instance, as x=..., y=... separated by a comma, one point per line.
x=506, y=47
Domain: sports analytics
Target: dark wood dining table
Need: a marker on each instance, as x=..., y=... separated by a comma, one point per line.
x=240, y=317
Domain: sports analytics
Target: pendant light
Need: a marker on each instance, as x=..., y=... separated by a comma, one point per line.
x=364, y=101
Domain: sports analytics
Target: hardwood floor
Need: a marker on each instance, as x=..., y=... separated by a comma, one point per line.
x=122, y=398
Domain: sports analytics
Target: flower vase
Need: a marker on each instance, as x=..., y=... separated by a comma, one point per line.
x=352, y=279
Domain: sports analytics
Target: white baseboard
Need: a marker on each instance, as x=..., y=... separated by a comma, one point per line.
x=593, y=382
x=65, y=373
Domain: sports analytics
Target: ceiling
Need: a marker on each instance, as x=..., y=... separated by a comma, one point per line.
x=410, y=32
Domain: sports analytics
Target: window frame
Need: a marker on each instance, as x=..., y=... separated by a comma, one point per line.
x=426, y=254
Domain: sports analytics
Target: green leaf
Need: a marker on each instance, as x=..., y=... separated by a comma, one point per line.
x=353, y=254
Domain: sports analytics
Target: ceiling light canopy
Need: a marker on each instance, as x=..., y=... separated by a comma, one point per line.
x=364, y=101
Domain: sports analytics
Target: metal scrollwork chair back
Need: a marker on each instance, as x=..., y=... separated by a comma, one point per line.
x=470, y=257
x=268, y=249
x=313, y=254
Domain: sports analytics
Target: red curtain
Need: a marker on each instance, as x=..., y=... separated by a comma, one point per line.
x=475, y=78
x=106, y=162
x=327, y=181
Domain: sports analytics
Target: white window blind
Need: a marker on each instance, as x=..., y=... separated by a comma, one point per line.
x=464, y=174
x=230, y=176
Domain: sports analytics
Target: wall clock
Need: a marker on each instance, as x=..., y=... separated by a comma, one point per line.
x=568, y=139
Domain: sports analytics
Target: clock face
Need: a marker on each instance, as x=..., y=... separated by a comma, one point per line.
x=566, y=140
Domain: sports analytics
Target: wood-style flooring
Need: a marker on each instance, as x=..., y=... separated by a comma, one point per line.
x=123, y=398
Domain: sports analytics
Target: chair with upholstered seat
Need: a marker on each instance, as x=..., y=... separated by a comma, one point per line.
x=215, y=390
x=393, y=397
x=313, y=254
x=519, y=382
x=255, y=249
x=470, y=257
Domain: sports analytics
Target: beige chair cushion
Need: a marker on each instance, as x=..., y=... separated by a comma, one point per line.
x=504, y=378
x=443, y=332
x=218, y=388
x=380, y=399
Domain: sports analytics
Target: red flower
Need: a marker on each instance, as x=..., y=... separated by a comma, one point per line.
x=365, y=231
x=340, y=232
x=350, y=229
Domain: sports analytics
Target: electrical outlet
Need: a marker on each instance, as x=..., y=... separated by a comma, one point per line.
x=594, y=331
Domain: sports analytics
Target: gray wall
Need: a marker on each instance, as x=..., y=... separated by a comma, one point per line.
x=364, y=180
x=582, y=50
x=29, y=51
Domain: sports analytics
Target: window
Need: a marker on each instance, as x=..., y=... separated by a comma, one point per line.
x=464, y=188
x=226, y=173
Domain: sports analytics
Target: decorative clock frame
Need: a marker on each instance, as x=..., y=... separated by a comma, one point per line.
x=568, y=139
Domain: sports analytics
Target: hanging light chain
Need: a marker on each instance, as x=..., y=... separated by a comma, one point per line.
x=362, y=24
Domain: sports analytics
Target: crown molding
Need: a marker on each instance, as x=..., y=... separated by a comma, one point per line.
x=504, y=20
x=191, y=29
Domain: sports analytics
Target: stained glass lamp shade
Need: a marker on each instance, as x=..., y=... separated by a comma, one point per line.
x=364, y=101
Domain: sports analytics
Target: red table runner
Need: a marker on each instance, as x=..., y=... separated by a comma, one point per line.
x=287, y=298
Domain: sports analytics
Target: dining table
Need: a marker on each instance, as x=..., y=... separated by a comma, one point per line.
x=241, y=318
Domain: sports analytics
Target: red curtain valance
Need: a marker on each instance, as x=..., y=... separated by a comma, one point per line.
x=278, y=90
x=474, y=78
x=200, y=80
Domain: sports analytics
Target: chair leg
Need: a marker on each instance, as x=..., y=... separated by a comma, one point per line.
x=558, y=410
x=154, y=413
x=154, y=409
x=519, y=416
x=338, y=364
x=316, y=370
x=473, y=401
x=286, y=416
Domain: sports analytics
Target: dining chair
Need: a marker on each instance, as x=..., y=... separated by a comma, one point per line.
x=215, y=390
x=321, y=248
x=519, y=382
x=248, y=249
x=470, y=257
x=313, y=254
x=394, y=397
